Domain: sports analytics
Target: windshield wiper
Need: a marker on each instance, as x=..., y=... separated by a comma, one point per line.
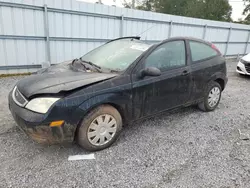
x=115, y=70
x=92, y=64
x=82, y=62
x=74, y=60
x=98, y=68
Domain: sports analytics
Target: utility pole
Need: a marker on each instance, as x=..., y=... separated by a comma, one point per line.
x=133, y=4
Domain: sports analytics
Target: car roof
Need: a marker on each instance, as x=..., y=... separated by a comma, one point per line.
x=187, y=38
x=169, y=39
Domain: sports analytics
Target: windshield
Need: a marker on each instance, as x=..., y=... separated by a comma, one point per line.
x=116, y=55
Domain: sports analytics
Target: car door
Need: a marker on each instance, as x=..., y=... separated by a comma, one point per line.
x=169, y=90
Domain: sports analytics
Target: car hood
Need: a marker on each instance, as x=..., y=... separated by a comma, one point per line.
x=246, y=58
x=59, y=78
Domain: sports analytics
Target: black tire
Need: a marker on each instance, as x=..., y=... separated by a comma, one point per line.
x=82, y=131
x=204, y=106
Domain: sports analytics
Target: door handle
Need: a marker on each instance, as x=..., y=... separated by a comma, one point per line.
x=185, y=73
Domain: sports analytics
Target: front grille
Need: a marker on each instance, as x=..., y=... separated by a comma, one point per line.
x=247, y=66
x=19, y=98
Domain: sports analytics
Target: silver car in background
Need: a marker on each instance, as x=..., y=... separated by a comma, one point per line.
x=243, y=66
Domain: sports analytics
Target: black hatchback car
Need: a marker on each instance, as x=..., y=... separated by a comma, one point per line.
x=89, y=99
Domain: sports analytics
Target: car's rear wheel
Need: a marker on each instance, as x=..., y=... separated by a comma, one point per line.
x=100, y=128
x=212, y=97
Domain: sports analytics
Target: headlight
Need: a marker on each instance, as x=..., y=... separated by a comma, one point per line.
x=243, y=61
x=41, y=105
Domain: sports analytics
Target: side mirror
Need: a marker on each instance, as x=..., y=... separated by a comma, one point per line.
x=150, y=71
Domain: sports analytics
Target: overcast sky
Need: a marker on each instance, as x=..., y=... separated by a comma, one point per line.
x=237, y=5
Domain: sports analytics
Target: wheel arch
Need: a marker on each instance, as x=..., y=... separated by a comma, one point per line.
x=85, y=108
x=114, y=105
x=221, y=82
x=220, y=78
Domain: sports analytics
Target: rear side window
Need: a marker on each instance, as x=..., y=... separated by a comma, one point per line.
x=201, y=51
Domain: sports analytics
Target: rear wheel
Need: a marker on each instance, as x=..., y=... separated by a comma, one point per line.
x=100, y=128
x=212, y=97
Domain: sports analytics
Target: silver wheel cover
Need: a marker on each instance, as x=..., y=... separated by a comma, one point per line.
x=214, y=97
x=102, y=129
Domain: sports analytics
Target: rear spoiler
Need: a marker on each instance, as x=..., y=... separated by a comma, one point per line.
x=131, y=37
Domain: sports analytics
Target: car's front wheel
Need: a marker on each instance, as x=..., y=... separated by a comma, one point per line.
x=100, y=128
x=212, y=97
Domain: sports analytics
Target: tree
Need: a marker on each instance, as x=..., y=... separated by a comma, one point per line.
x=175, y=7
x=246, y=12
x=206, y=9
x=215, y=10
x=126, y=4
x=241, y=21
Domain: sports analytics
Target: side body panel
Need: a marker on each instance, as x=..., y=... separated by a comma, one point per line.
x=204, y=71
x=116, y=92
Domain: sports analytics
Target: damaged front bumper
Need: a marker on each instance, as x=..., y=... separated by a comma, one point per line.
x=37, y=126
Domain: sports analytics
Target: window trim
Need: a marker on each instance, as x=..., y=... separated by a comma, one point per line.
x=173, y=68
x=201, y=60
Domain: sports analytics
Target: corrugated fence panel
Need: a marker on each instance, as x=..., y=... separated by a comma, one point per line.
x=190, y=31
x=21, y=52
x=27, y=52
x=148, y=31
x=3, y=53
x=74, y=28
x=239, y=36
x=234, y=49
x=19, y=21
x=217, y=34
x=67, y=25
x=68, y=50
x=248, y=48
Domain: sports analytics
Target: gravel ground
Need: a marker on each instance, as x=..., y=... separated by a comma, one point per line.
x=185, y=148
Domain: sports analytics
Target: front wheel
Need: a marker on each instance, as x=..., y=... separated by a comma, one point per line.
x=212, y=97
x=100, y=128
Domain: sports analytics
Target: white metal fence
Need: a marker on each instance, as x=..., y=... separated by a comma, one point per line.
x=36, y=31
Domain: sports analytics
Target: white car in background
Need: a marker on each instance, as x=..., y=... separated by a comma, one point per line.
x=243, y=66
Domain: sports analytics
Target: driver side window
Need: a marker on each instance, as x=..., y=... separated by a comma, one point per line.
x=167, y=56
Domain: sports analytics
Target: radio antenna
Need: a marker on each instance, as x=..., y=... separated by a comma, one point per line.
x=146, y=30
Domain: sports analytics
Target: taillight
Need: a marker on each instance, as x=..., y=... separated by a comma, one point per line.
x=215, y=48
